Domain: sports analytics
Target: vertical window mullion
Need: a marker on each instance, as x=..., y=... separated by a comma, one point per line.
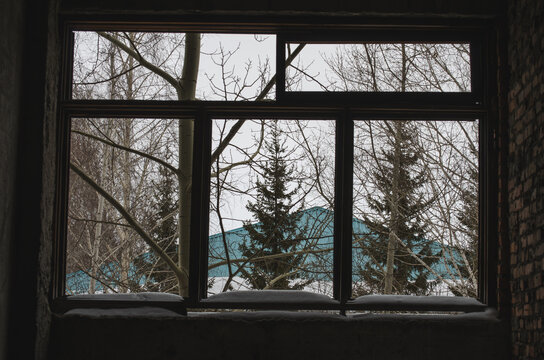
x=343, y=208
x=280, y=67
x=476, y=72
x=67, y=65
x=198, y=273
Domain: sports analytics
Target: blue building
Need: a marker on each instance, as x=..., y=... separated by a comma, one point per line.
x=316, y=248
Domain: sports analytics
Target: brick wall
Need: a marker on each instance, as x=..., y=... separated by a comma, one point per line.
x=526, y=175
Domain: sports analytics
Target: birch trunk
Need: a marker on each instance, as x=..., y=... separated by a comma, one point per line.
x=186, y=137
x=394, y=201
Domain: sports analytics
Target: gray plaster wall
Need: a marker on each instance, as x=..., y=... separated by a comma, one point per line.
x=11, y=23
x=273, y=335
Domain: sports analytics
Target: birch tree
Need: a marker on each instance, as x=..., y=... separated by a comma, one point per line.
x=159, y=74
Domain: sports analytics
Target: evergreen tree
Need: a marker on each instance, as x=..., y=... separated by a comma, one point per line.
x=389, y=266
x=277, y=231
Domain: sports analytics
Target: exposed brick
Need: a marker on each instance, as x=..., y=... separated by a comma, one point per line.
x=526, y=176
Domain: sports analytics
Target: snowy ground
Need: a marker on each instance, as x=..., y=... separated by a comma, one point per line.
x=238, y=283
x=318, y=287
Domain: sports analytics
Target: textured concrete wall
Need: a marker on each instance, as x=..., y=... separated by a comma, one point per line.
x=275, y=335
x=11, y=24
x=526, y=176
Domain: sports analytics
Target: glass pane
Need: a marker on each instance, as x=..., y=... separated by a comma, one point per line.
x=271, y=206
x=415, y=226
x=125, y=209
x=374, y=67
x=149, y=66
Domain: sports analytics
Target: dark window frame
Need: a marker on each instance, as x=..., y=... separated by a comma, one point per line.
x=479, y=104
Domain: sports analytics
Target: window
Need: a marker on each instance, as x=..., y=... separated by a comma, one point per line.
x=338, y=163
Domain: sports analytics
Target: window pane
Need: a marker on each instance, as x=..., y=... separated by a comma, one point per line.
x=271, y=206
x=125, y=207
x=415, y=226
x=148, y=66
x=380, y=67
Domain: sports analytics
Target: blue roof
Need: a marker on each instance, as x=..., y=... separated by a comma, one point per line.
x=317, y=222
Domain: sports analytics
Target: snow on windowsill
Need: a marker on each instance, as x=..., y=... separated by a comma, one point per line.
x=138, y=312
x=269, y=297
x=144, y=296
x=412, y=302
x=145, y=304
x=147, y=308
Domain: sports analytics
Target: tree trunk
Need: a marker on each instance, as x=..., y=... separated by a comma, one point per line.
x=186, y=137
x=394, y=207
x=395, y=190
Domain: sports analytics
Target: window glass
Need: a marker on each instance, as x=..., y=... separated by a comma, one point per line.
x=124, y=216
x=415, y=208
x=271, y=206
x=380, y=67
x=149, y=66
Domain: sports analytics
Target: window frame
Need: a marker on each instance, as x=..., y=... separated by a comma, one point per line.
x=344, y=107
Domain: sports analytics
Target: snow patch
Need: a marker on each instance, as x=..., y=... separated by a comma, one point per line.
x=144, y=296
x=270, y=296
x=146, y=311
x=416, y=300
x=416, y=303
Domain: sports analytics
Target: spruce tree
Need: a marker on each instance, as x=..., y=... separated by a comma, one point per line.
x=276, y=231
x=399, y=206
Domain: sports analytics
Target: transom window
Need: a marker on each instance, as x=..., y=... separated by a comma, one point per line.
x=276, y=166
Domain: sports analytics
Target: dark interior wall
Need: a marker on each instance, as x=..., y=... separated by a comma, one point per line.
x=27, y=157
x=402, y=7
x=273, y=335
x=526, y=176
x=28, y=116
x=11, y=12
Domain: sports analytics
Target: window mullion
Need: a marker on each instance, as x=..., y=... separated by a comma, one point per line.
x=280, y=68
x=199, y=210
x=343, y=208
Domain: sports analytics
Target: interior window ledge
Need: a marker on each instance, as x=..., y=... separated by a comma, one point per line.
x=489, y=316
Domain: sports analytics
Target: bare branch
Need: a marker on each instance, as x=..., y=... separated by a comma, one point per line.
x=130, y=220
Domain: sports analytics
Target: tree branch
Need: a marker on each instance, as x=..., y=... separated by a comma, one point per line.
x=133, y=53
x=234, y=130
x=130, y=220
x=137, y=152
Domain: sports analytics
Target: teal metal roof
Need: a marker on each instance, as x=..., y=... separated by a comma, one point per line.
x=318, y=224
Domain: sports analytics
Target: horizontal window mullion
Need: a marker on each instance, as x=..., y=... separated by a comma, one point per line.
x=289, y=108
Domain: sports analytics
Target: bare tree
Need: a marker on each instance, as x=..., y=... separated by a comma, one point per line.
x=149, y=73
x=409, y=68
